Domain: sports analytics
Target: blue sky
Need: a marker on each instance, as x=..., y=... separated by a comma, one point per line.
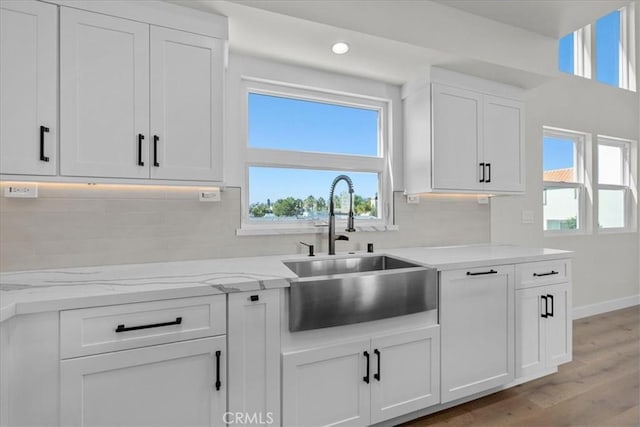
x=557, y=153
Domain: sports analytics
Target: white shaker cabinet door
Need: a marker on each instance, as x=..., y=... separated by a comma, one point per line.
x=104, y=95
x=503, y=144
x=559, y=328
x=28, y=87
x=530, y=335
x=327, y=386
x=166, y=385
x=186, y=105
x=456, y=145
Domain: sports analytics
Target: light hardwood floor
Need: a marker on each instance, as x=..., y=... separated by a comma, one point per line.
x=599, y=388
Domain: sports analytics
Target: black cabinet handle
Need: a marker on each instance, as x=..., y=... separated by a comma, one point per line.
x=489, y=173
x=218, y=383
x=140, y=139
x=545, y=314
x=43, y=130
x=122, y=328
x=480, y=273
x=551, y=298
x=482, y=171
x=254, y=298
x=156, y=138
x=552, y=272
x=377, y=375
x=366, y=377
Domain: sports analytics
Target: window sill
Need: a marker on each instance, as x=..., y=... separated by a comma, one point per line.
x=283, y=230
x=617, y=231
x=554, y=234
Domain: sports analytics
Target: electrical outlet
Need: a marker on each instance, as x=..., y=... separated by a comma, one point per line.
x=413, y=199
x=209, y=195
x=27, y=190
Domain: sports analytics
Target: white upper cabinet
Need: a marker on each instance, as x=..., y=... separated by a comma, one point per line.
x=104, y=90
x=28, y=84
x=463, y=134
x=186, y=109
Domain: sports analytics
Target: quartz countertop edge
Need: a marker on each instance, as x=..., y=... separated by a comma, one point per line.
x=36, y=291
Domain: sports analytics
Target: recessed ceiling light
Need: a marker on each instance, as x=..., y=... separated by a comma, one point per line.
x=340, y=48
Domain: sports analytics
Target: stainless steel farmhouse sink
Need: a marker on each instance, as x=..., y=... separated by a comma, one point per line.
x=341, y=291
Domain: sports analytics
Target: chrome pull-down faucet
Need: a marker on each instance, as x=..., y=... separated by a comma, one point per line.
x=332, y=218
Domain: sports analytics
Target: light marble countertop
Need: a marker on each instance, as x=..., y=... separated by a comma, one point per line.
x=58, y=289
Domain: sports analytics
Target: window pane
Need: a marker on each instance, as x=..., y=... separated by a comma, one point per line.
x=283, y=194
x=559, y=160
x=294, y=124
x=608, y=49
x=561, y=208
x=611, y=208
x=565, y=54
x=610, y=165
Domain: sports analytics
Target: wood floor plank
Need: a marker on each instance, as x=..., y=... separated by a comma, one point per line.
x=600, y=387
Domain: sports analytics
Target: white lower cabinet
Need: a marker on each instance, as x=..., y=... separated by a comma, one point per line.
x=173, y=384
x=477, y=326
x=362, y=382
x=544, y=328
x=254, y=357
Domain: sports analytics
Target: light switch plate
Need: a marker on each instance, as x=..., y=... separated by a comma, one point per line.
x=413, y=199
x=26, y=190
x=209, y=195
x=527, y=217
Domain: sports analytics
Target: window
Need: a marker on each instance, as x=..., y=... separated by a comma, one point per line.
x=563, y=176
x=614, y=178
x=298, y=141
x=604, y=49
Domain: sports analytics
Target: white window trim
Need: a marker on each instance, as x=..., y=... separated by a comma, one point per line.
x=583, y=187
x=627, y=49
x=629, y=185
x=582, y=52
x=379, y=164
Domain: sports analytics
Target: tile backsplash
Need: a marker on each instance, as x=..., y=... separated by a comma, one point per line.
x=73, y=225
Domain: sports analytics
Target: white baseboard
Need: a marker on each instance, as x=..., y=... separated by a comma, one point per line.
x=605, y=306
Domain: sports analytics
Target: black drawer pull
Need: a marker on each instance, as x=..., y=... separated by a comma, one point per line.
x=122, y=328
x=552, y=272
x=254, y=298
x=156, y=138
x=545, y=314
x=43, y=130
x=480, y=273
x=140, y=139
x=366, y=377
x=377, y=374
x=218, y=383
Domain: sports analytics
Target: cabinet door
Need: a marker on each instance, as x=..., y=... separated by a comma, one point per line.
x=166, y=385
x=29, y=87
x=326, y=386
x=405, y=373
x=104, y=95
x=503, y=144
x=558, y=324
x=530, y=336
x=457, y=129
x=477, y=330
x=186, y=105
x=254, y=354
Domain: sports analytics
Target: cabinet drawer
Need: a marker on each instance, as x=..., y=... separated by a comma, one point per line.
x=117, y=327
x=542, y=273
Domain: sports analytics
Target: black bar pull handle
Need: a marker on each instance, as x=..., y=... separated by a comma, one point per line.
x=482, y=172
x=551, y=273
x=377, y=374
x=366, y=377
x=218, y=383
x=43, y=130
x=156, y=138
x=122, y=328
x=140, y=139
x=480, y=273
x=544, y=314
x=551, y=298
x=489, y=172
x=254, y=298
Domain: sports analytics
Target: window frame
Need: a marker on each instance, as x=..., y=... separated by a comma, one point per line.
x=581, y=145
x=628, y=183
x=280, y=158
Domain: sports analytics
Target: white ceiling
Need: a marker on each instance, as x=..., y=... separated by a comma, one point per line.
x=391, y=42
